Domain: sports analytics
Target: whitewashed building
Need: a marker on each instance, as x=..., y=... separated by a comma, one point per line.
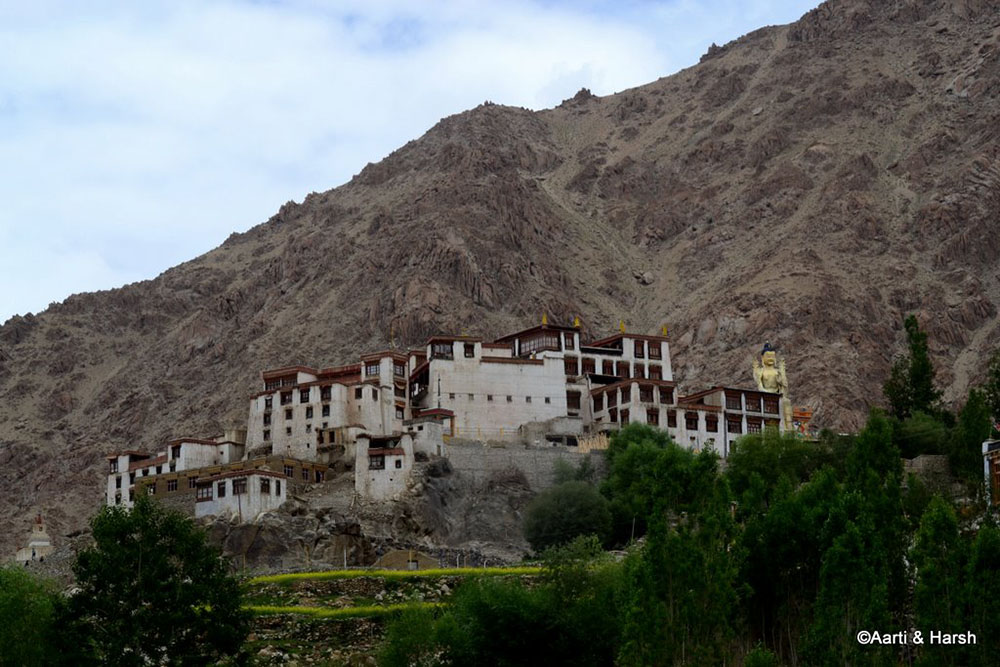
x=240, y=494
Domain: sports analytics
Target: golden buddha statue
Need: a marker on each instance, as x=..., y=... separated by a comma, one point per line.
x=769, y=372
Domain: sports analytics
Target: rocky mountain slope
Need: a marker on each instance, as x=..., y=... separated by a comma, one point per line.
x=807, y=184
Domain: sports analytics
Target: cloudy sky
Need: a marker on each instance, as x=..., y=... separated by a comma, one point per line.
x=134, y=136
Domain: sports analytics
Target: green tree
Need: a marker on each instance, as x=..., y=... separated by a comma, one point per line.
x=770, y=456
x=566, y=511
x=992, y=386
x=974, y=426
x=26, y=619
x=152, y=591
x=910, y=386
x=920, y=433
x=938, y=556
x=983, y=593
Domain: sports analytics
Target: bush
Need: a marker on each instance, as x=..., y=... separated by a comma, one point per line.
x=566, y=511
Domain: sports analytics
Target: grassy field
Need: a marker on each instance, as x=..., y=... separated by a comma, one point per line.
x=367, y=611
x=398, y=575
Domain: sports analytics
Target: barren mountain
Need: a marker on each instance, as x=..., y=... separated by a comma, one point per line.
x=807, y=184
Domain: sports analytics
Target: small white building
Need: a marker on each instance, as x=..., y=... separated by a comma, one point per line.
x=244, y=494
x=382, y=465
x=39, y=545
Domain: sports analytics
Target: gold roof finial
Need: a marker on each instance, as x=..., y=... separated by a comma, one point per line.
x=576, y=321
x=664, y=330
x=545, y=319
x=621, y=325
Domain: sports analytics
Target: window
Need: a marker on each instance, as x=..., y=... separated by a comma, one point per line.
x=204, y=492
x=691, y=421
x=305, y=474
x=277, y=487
x=489, y=397
x=114, y=466
x=326, y=410
x=267, y=419
x=572, y=365
x=753, y=424
x=598, y=402
x=547, y=400
x=319, y=476
x=118, y=482
x=151, y=489
x=371, y=368
x=638, y=371
x=221, y=489
x=671, y=418
x=539, y=342
x=324, y=393
x=286, y=397
x=309, y=412
x=309, y=428
x=612, y=397
x=374, y=394
x=753, y=403
x=193, y=482
x=734, y=426
x=645, y=393
x=653, y=417
x=608, y=367
x=399, y=369
x=399, y=392
x=573, y=400
x=159, y=470
x=399, y=463
x=640, y=349
x=654, y=351
x=399, y=413
x=358, y=392
x=527, y=399
x=288, y=430
x=621, y=369
x=568, y=341
x=711, y=423
x=131, y=478
x=470, y=350
x=666, y=395
x=733, y=401
x=303, y=395
x=510, y=399
x=442, y=351
x=288, y=413
x=175, y=452
x=624, y=417
x=267, y=434
x=451, y=395
x=613, y=415
x=171, y=485
x=472, y=397
x=289, y=471
x=376, y=462
x=265, y=485
x=655, y=372
x=239, y=486
x=771, y=405
x=268, y=403
x=588, y=365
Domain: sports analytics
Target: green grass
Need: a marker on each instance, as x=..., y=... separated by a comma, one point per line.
x=398, y=575
x=368, y=611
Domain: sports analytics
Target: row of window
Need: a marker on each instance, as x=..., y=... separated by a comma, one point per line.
x=238, y=488
x=377, y=462
x=510, y=399
x=622, y=369
x=753, y=402
x=646, y=394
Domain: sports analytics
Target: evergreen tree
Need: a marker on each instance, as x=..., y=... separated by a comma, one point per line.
x=938, y=557
x=992, y=386
x=974, y=426
x=26, y=619
x=564, y=512
x=983, y=594
x=910, y=386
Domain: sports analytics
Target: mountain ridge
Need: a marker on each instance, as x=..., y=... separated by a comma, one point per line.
x=807, y=184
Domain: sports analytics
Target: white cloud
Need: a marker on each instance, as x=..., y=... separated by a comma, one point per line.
x=140, y=135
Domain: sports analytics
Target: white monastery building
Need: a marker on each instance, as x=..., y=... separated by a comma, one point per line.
x=542, y=385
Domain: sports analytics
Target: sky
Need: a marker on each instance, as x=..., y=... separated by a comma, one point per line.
x=135, y=136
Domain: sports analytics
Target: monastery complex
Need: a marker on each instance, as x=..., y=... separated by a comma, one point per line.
x=543, y=386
